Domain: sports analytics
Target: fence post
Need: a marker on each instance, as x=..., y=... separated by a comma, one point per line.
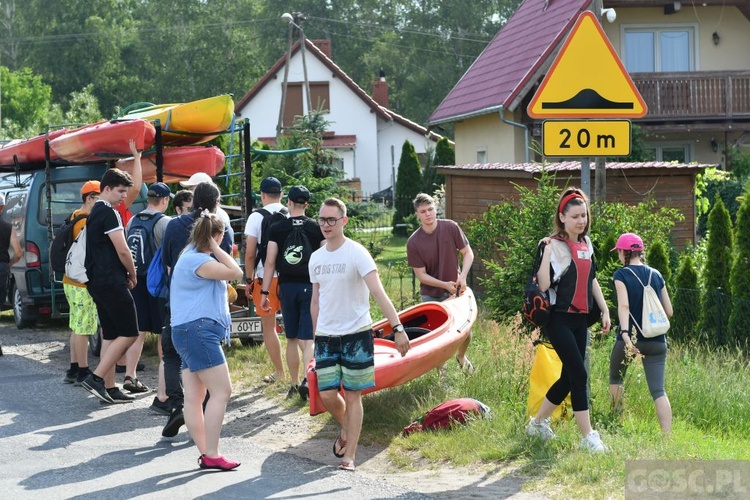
x=718, y=309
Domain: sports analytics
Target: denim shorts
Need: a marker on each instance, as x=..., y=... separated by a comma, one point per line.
x=346, y=359
x=198, y=343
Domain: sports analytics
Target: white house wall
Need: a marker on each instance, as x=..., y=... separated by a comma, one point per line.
x=349, y=115
x=391, y=137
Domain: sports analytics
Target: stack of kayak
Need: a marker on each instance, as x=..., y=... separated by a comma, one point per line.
x=183, y=126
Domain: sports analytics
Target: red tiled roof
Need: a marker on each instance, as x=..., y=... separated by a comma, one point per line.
x=567, y=166
x=383, y=112
x=337, y=141
x=511, y=60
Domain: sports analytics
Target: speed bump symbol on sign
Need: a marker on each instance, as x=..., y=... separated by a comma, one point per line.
x=584, y=138
x=587, y=79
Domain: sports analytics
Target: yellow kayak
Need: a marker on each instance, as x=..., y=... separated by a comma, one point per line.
x=187, y=123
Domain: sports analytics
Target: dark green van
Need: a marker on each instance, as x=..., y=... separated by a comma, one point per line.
x=30, y=291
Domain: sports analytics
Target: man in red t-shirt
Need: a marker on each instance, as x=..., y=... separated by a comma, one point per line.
x=432, y=252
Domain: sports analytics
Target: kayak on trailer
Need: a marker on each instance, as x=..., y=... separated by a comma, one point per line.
x=28, y=151
x=187, y=123
x=436, y=330
x=178, y=164
x=104, y=141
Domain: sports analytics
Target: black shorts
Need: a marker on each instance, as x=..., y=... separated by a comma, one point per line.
x=151, y=310
x=116, y=309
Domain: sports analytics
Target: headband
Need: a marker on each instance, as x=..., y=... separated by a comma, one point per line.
x=567, y=200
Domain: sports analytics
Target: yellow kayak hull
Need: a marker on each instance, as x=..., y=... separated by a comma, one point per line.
x=188, y=123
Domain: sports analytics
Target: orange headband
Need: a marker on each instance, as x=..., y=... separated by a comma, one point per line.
x=567, y=200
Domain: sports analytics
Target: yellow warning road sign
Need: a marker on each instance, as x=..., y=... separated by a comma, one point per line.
x=587, y=79
x=584, y=138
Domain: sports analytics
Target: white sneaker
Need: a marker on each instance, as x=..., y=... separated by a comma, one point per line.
x=541, y=429
x=593, y=443
x=466, y=365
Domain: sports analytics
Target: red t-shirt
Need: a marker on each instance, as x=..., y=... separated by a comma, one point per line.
x=125, y=214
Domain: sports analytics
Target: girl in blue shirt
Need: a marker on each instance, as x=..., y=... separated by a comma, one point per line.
x=200, y=321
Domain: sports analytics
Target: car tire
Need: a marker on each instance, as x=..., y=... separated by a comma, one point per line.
x=25, y=316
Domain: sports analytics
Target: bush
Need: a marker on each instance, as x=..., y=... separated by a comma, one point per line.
x=658, y=258
x=715, y=311
x=408, y=184
x=506, y=236
x=684, y=299
x=739, y=276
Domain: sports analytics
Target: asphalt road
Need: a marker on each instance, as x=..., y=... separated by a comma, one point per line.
x=58, y=442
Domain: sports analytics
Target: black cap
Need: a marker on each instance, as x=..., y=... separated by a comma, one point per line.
x=270, y=185
x=299, y=194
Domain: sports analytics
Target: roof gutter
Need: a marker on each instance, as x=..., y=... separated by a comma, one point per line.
x=472, y=114
x=520, y=125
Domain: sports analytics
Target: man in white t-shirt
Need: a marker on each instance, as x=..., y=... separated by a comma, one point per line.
x=344, y=275
x=270, y=196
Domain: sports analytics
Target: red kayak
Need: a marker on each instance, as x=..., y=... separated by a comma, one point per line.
x=28, y=151
x=436, y=330
x=104, y=141
x=178, y=164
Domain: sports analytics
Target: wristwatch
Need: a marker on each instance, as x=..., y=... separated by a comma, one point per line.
x=398, y=328
x=264, y=292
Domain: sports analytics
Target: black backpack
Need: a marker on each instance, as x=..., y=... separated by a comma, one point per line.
x=294, y=254
x=269, y=219
x=61, y=243
x=536, y=306
x=141, y=241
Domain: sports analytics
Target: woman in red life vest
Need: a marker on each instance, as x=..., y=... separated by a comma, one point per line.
x=568, y=271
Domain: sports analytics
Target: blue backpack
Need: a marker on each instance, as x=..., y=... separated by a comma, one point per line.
x=157, y=280
x=141, y=241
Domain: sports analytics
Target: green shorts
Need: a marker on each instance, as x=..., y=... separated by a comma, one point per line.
x=83, y=319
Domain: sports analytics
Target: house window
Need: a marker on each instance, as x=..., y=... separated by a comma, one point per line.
x=654, y=50
x=293, y=103
x=679, y=152
x=482, y=155
x=320, y=97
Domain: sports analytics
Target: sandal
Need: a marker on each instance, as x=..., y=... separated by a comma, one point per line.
x=270, y=379
x=347, y=466
x=133, y=385
x=339, y=447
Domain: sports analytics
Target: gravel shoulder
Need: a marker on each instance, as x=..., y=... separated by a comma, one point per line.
x=254, y=416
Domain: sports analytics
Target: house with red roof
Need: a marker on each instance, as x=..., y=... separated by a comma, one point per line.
x=688, y=60
x=365, y=134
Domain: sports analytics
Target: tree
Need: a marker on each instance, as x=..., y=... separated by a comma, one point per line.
x=686, y=299
x=26, y=103
x=408, y=184
x=740, y=277
x=715, y=308
x=658, y=258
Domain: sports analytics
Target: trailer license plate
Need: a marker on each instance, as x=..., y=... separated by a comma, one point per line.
x=240, y=326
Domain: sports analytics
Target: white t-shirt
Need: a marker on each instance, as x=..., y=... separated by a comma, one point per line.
x=344, y=296
x=253, y=228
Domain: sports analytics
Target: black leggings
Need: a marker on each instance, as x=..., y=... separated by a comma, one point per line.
x=568, y=333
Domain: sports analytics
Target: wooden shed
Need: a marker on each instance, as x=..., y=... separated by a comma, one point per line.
x=470, y=189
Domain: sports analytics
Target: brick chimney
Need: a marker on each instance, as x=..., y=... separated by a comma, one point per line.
x=380, y=90
x=324, y=46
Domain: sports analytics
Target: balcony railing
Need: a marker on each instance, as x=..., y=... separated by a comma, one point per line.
x=695, y=95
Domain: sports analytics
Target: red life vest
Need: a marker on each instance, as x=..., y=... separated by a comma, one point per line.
x=574, y=288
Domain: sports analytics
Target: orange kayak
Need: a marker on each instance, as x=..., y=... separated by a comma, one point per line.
x=178, y=164
x=104, y=140
x=436, y=330
x=28, y=151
